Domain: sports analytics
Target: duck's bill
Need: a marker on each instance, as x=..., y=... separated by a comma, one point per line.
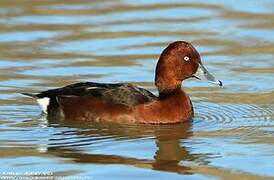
x=203, y=74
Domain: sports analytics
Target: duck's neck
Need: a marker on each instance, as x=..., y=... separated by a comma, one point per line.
x=167, y=80
x=167, y=85
x=164, y=93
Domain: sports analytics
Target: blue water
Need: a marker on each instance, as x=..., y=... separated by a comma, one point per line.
x=48, y=44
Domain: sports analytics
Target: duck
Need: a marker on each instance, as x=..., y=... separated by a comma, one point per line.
x=127, y=103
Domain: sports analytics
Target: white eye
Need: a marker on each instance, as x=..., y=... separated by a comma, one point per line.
x=186, y=58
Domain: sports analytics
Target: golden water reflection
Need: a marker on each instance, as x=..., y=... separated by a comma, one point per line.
x=47, y=44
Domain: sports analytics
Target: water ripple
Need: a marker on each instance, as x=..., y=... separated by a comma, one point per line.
x=46, y=44
x=211, y=115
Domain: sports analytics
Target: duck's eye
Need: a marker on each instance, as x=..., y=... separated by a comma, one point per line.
x=186, y=58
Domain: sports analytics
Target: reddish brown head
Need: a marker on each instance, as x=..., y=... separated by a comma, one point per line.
x=179, y=61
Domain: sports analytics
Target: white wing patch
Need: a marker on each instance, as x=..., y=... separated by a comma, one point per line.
x=88, y=88
x=43, y=103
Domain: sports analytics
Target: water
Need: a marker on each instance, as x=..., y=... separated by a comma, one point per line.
x=47, y=44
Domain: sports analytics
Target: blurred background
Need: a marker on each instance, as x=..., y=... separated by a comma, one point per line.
x=46, y=44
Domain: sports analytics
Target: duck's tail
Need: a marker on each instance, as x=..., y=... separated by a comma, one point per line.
x=30, y=95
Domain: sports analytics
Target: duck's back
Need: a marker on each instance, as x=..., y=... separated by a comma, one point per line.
x=76, y=99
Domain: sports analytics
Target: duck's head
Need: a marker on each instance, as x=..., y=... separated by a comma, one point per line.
x=180, y=61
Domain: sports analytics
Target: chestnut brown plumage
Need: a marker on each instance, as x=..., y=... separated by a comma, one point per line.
x=91, y=101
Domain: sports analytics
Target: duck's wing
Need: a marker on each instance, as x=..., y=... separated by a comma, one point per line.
x=120, y=93
x=77, y=89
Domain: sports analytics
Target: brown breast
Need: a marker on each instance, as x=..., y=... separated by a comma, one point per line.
x=173, y=108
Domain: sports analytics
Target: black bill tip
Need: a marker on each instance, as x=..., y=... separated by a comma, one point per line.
x=220, y=83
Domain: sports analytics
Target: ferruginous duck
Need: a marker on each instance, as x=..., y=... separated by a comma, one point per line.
x=123, y=102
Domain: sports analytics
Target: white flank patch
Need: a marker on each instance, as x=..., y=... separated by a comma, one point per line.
x=42, y=148
x=43, y=103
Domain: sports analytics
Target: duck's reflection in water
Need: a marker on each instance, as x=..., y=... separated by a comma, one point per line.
x=169, y=156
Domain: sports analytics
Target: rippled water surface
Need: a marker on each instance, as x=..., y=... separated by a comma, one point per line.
x=46, y=44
